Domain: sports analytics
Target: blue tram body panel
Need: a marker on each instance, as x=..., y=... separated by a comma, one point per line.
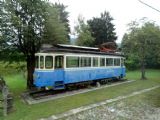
x=73, y=76
x=47, y=77
x=67, y=76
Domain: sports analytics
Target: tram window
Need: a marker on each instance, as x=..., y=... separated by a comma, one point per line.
x=49, y=62
x=109, y=61
x=122, y=62
x=72, y=61
x=102, y=62
x=117, y=62
x=37, y=62
x=58, y=62
x=95, y=61
x=41, y=62
x=85, y=62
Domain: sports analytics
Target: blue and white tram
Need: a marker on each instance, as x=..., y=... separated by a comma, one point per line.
x=57, y=69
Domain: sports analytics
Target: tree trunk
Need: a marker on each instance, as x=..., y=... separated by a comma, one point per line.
x=30, y=70
x=143, y=77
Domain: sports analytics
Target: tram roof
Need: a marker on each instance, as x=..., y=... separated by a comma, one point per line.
x=76, y=49
x=75, y=46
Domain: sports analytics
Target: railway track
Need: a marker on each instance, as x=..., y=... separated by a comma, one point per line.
x=51, y=93
x=69, y=89
x=44, y=93
x=47, y=95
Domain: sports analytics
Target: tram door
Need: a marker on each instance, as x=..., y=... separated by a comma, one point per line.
x=59, y=62
x=58, y=70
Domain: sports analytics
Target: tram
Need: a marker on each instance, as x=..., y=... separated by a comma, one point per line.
x=62, y=65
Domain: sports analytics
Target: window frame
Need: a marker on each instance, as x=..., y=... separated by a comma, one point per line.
x=40, y=62
x=44, y=62
x=63, y=61
x=91, y=56
x=85, y=65
x=116, y=61
x=112, y=58
x=37, y=64
x=97, y=61
x=72, y=56
x=52, y=62
x=102, y=61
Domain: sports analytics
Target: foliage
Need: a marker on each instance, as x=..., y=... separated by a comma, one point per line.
x=56, y=26
x=26, y=24
x=141, y=45
x=132, y=62
x=102, y=29
x=84, y=35
x=63, y=14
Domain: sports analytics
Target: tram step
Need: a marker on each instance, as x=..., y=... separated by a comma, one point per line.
x=59, y=85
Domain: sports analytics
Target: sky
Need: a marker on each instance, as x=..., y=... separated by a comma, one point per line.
x=122, y=11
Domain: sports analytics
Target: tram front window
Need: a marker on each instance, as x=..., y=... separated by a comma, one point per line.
x=49, y=62
x=58, y=62
x=37, y=62
x=41, y=62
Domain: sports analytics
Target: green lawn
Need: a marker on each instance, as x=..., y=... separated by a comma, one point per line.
x=17, y=85
x=151, y=98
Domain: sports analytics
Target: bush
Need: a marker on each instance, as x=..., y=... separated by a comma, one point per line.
x=7, y=68
x=132, y=64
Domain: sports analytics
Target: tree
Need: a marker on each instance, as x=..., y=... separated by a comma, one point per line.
x=63, y=14
x=55, y=30
x=140, y=43
x=26, y=24
x=84, y=35
x=102, y=29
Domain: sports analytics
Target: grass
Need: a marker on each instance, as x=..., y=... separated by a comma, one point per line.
x=17, y=85
x=151, y=98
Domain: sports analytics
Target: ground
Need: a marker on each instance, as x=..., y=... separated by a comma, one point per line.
x=135, y=108
x=22, y=111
